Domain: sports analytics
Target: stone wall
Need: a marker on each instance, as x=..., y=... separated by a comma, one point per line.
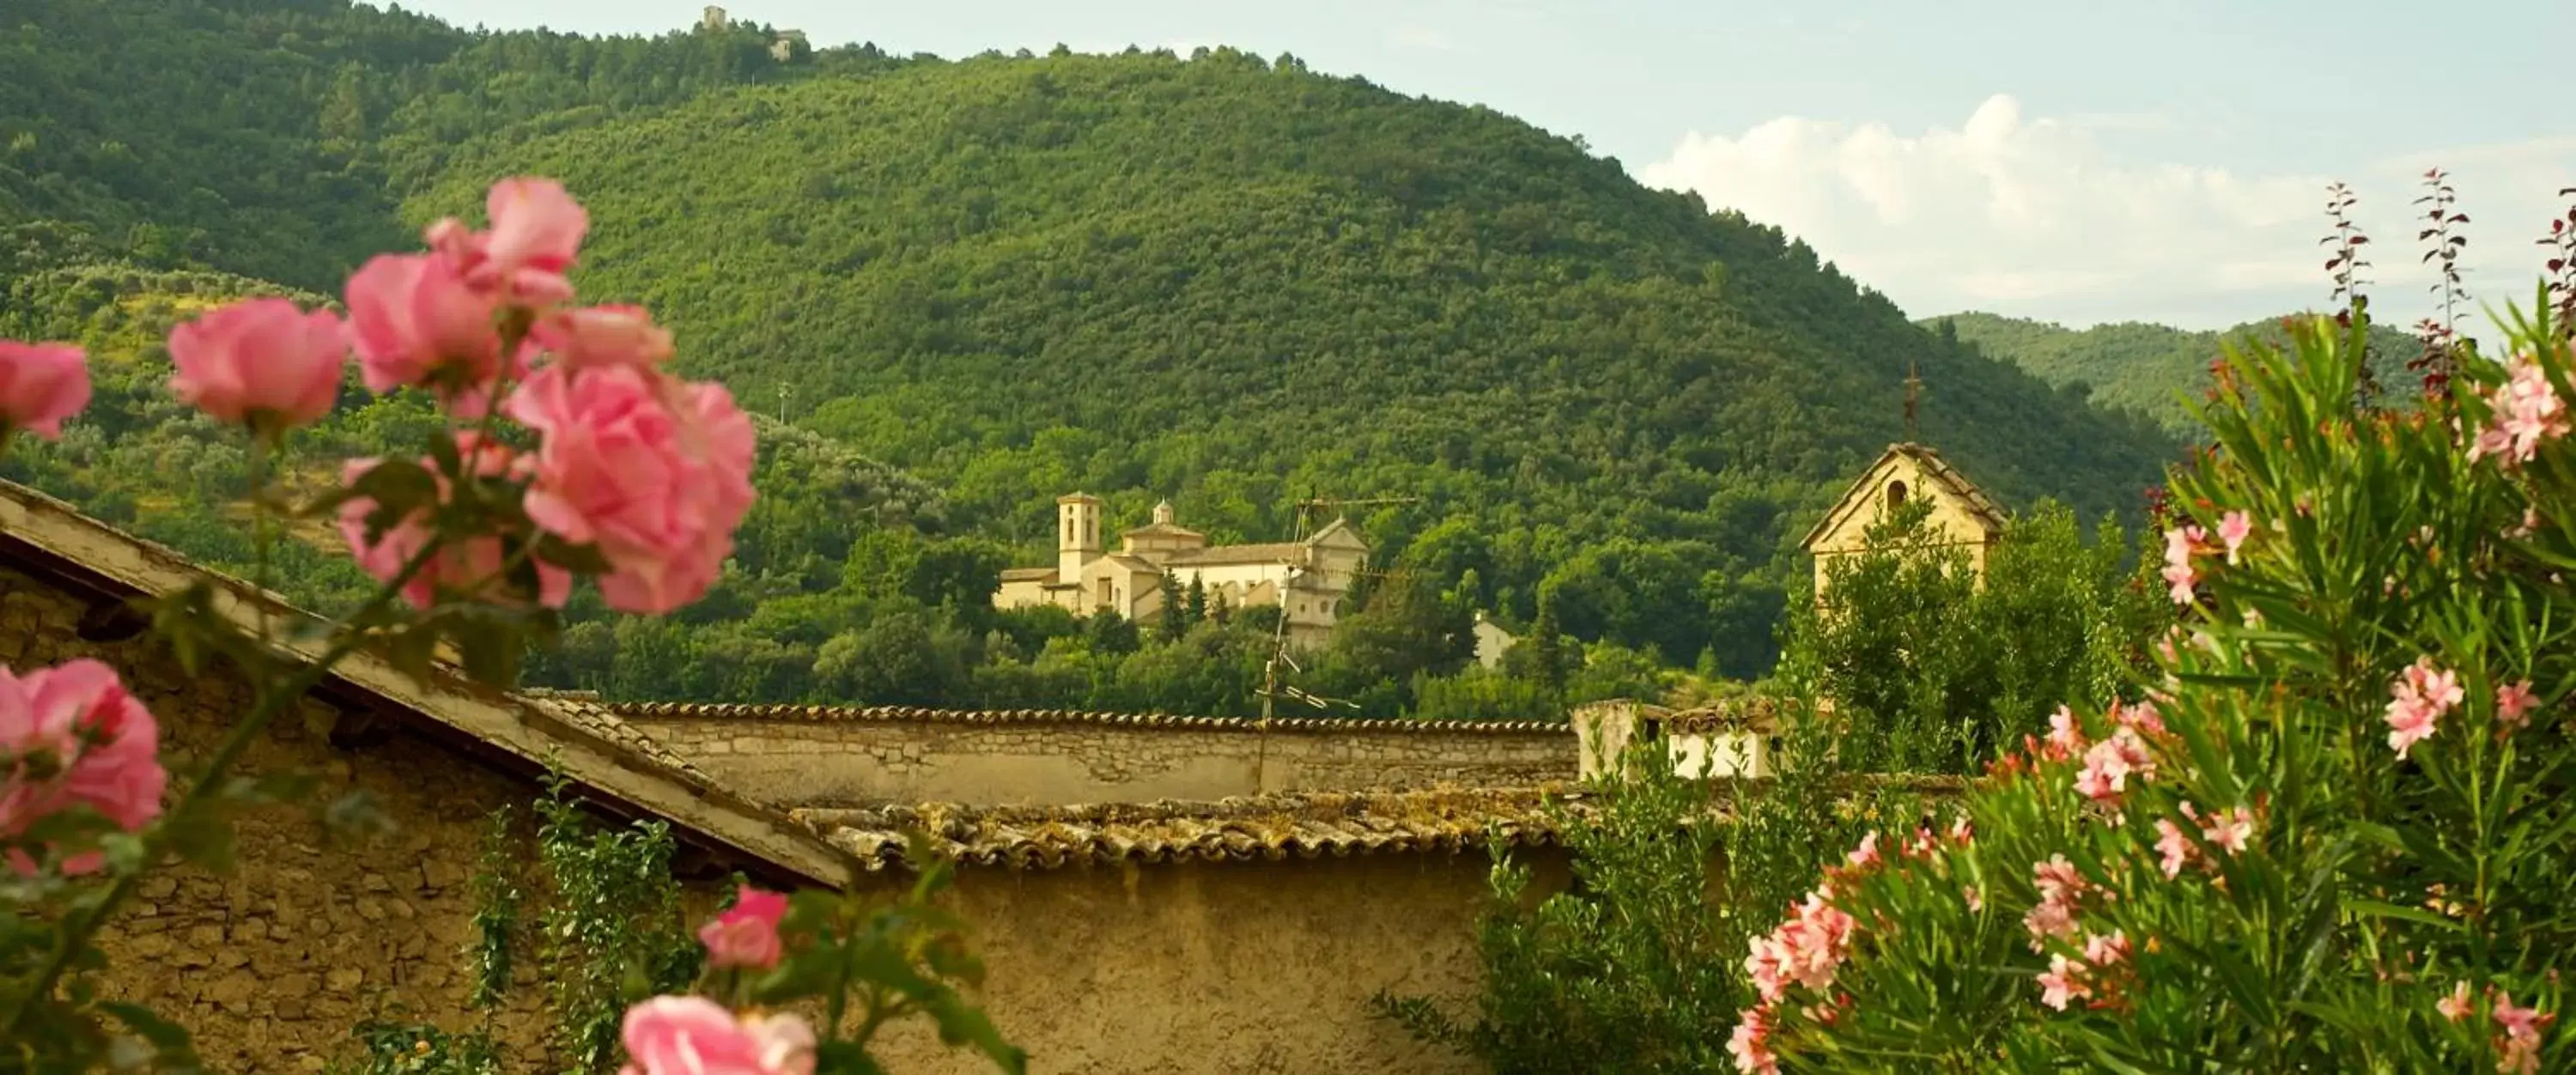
x=272, y=966
x=803, y=758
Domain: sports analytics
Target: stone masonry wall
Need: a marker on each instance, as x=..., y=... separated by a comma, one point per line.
x=807, y=761
x=271, y=967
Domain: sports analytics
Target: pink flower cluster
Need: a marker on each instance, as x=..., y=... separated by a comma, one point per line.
x=2109, y=764
x=697, y=1036
x=2070, y=979
x=72, y=736
x=746, y=935
x=2229, y=830
x=2514, y=703
x=2062, y=889
x=688, y=1035
x=653, y=471
x=2527, y=412
x=2182, y=543
x=2417, y=701
x=2518, y=1030
x=1805, y=950
x=40, y=385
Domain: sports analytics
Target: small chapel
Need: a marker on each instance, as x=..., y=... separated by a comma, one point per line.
x=1306, y=579
x=1964, y=516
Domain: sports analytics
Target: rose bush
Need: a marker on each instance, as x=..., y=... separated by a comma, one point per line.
x=2338, y=834
x=567, y=452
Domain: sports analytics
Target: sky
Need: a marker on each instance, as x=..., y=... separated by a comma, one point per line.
x=2036, y=158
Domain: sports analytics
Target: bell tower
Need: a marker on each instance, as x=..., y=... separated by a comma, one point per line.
x=1077, y=535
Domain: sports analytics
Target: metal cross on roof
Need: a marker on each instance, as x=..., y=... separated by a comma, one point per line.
x=1913, y=395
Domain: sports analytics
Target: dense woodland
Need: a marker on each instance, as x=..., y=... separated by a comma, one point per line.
x=957, y=289
x=2155, y=369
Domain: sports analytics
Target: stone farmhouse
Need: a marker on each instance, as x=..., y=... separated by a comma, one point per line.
x=1306, y=580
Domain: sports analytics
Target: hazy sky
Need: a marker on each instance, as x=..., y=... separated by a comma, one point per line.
x=2166, y=163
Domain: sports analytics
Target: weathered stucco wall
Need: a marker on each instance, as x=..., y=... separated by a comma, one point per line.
x=833, y=756
x=1220, y=968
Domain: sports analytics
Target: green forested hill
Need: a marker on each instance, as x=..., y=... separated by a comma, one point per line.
x=2149, y=368
x=1232, y=281
x=967, y=287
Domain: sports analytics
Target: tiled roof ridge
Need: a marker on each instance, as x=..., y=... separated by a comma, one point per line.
x=1314, y=804
x=933, y=715
x=1272, y=827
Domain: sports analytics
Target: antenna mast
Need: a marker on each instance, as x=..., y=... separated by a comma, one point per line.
x=1270, y=688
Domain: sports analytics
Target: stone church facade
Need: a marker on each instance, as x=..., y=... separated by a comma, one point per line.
x=1306, y=580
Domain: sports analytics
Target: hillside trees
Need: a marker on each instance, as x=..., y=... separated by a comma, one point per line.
x=946, y=277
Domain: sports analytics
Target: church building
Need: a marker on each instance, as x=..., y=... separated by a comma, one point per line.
x=1306, y=580
x=1962, y=514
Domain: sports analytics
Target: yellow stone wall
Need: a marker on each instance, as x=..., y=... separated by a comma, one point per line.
x=1950, y=516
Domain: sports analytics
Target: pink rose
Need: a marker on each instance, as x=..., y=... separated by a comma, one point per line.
x=471, y=568
x=654, y=471
x=689, y=1036
x=40, y=385
x=262, y=360
x=603, y=336
x=536, y=233
x=101, y=749
x=416, y=322
x=747, y=935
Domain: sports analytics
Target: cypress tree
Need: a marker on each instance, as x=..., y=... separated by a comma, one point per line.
x=1173, y=624
x=1198, y=600
x=1547, y=648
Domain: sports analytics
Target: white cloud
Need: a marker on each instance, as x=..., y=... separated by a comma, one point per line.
x=2045, y=218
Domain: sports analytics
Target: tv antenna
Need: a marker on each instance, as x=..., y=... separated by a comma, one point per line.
x=1271, y=689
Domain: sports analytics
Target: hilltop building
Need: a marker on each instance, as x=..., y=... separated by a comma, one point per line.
x=1962, y=514
x=1305, y=580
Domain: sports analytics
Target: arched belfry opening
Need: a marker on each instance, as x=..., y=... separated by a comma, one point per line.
x=1895, y=496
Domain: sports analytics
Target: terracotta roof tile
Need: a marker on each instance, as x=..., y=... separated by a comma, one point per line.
x=919, y=715
x=1268, y=827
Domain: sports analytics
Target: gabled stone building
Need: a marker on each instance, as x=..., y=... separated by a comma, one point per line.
x=1964, y=516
